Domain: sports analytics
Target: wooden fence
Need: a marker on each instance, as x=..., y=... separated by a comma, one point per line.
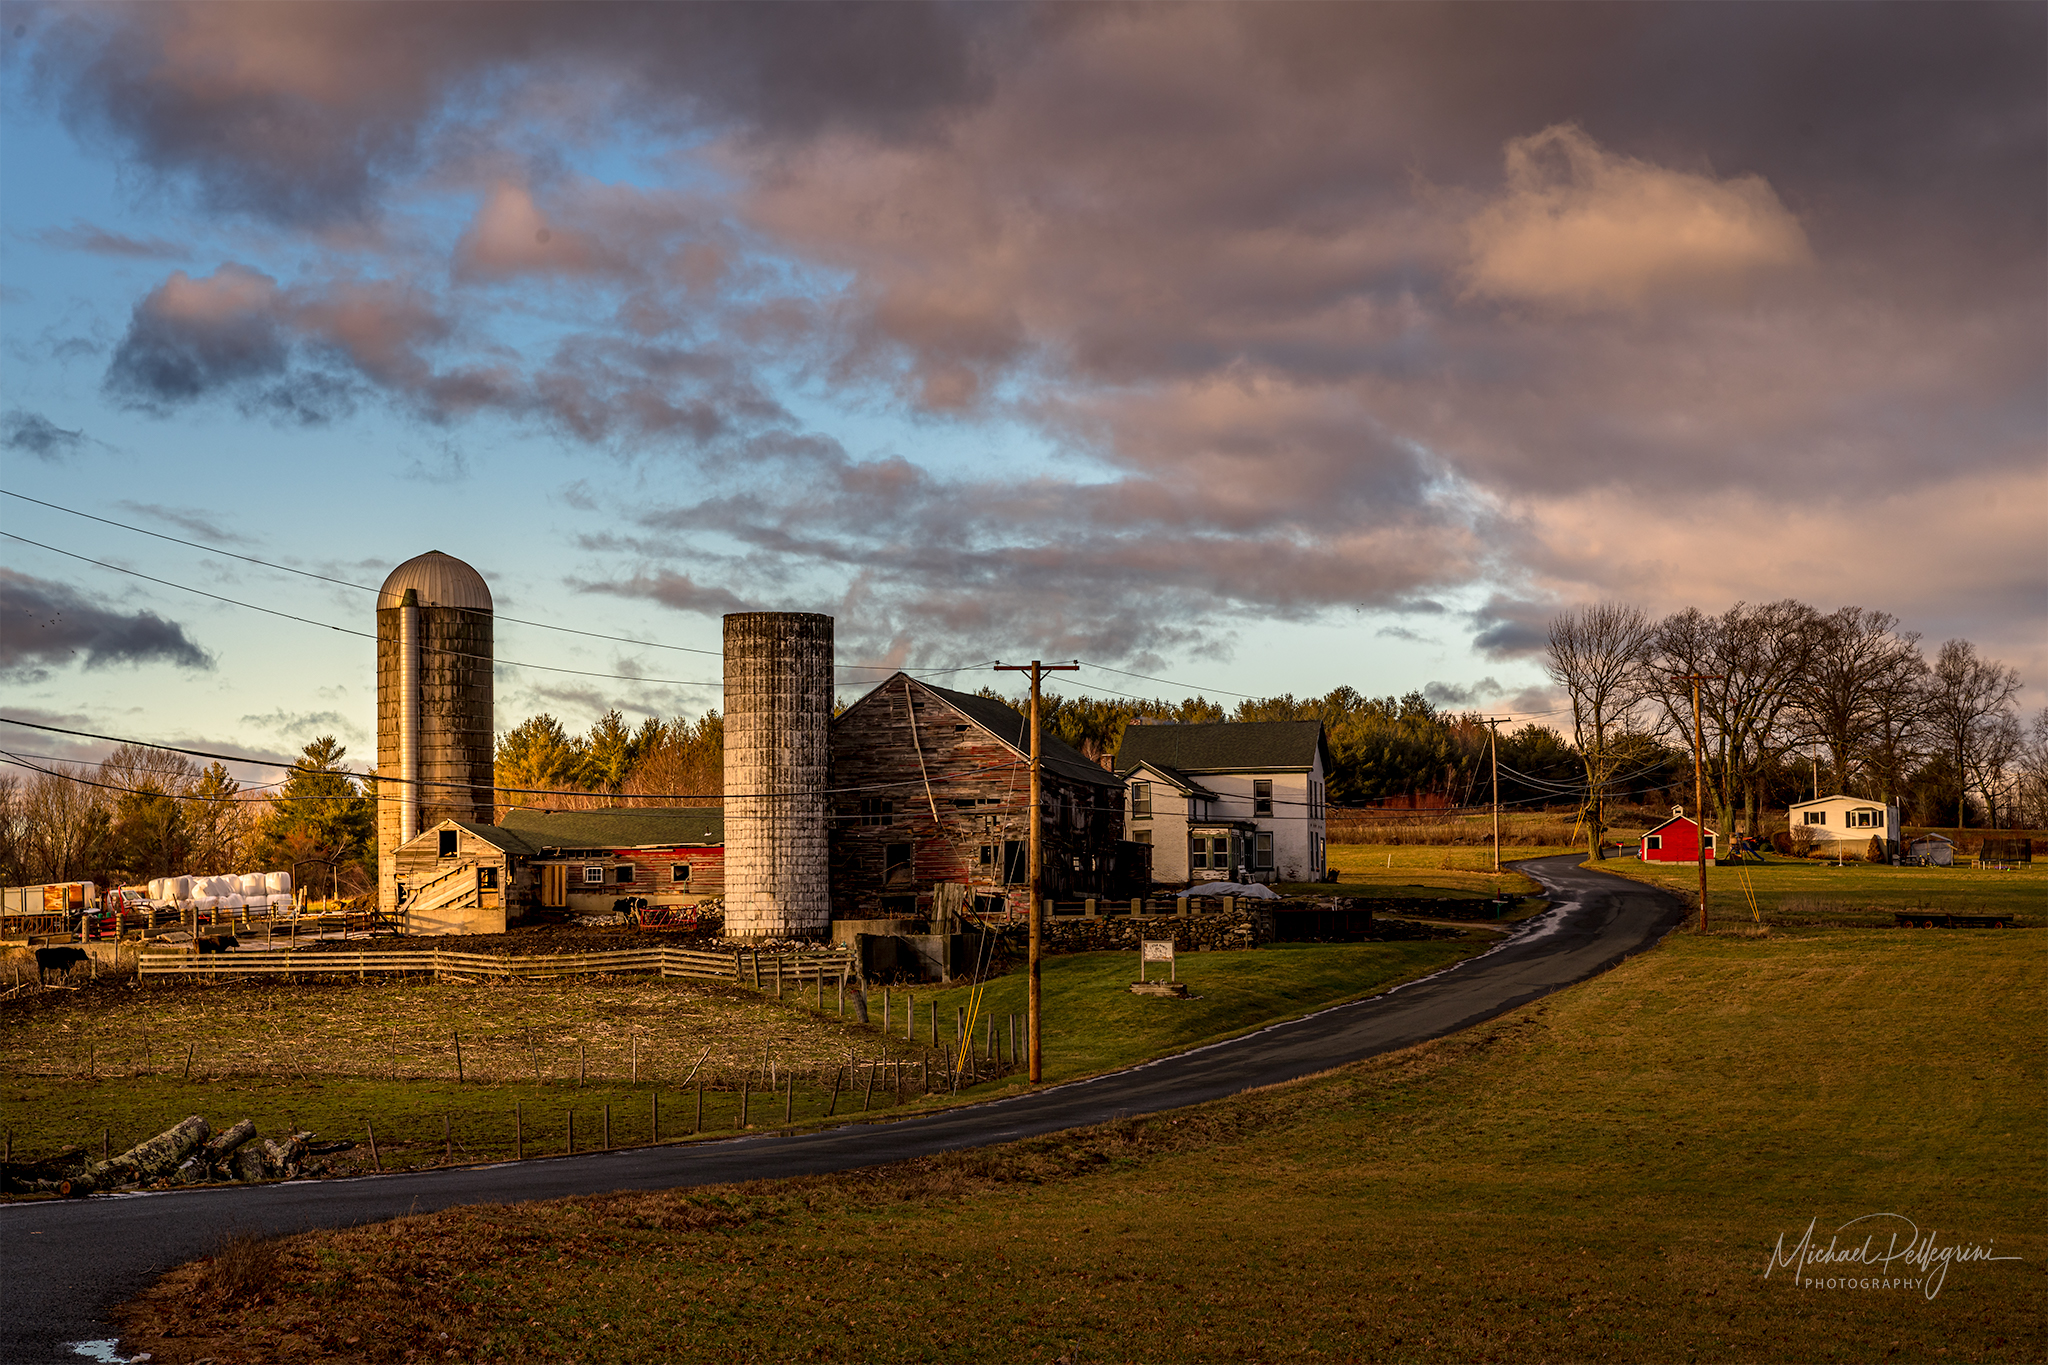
x=757, y=968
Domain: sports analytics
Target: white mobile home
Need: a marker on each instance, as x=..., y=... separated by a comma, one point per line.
x=1848, y=821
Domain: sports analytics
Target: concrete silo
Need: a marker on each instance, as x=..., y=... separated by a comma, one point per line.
x=778, y=702
x=434, y=704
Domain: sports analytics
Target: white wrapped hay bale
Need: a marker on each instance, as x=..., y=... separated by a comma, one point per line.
x=278, y=883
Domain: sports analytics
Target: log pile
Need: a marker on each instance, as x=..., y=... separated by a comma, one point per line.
x=187, y=1153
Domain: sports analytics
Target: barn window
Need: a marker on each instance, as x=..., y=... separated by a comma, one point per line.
x=988, y=855
x=1262, y=797
x=874, y=811
x=679, y=873
x=449, y=838
x=487, y=878
x=1141, y=800
x=1655, y=841
x=1816, y=817
x=1016, y=861
x=896, y=863
x=623, y=874
x=593, y=876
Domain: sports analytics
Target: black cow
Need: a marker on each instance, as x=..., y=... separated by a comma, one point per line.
x=60, y=960
x=218, y=943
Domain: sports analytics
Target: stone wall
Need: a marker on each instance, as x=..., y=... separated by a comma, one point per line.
x=1245, y=928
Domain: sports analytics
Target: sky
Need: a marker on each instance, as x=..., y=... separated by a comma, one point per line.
x=1254, y=349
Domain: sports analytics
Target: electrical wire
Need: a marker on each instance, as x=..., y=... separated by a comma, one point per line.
x=364, y=587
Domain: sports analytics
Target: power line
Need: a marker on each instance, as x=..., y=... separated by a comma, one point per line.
x=364, y=587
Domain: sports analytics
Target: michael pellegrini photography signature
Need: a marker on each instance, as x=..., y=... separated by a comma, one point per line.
x=1852, y=1258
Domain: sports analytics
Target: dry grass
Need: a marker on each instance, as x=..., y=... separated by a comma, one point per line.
x=405, y=1029
x=1599, y=1177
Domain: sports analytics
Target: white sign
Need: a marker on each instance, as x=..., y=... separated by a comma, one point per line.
x=1158, y=950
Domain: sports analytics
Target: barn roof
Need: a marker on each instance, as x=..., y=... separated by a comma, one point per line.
x=1003, y=721
x=494, y=835
x=616, y=827
x=1230, y=746
x=1676, y=820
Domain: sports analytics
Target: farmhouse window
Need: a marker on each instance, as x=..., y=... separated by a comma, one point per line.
x=877, y=812
x=593, y=875
x=1143, y=836
x=679, y=873
x=1262, y=797
x=623, y=874
x=1141, y=800
x=1655, y=841
x=1264, y=853
x=1198, y=853
x=1816, y=817
x=448, y=843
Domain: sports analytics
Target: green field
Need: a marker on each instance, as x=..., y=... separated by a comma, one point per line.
x=1601, y=1176
x=1796, y=891
x=105, y=1065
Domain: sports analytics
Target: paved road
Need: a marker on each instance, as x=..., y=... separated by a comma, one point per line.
x=63, y=1265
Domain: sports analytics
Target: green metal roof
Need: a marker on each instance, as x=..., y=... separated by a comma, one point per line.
x=617, y=827
x=1231, y=746
x=495, y=836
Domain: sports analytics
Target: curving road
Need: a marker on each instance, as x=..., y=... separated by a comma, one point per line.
x=64, y=1265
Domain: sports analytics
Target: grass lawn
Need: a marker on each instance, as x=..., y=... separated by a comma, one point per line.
x=1798, y=891
x=340, y=1058
x=1094, y=1024
x=1600, y=1176
x=1418, y=870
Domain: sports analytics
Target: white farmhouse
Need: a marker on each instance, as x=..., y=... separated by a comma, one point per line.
x=1214, y=799
x=1849, y=821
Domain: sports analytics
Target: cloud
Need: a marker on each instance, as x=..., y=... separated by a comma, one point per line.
x=677, y=592
x=1582, y=227
x=1249, y=275
x=302, y=726
x=300, y=117
x=1511, y=629
x=191, y=335
x=99, y=241
x=1461, y=694
x=52, y=624
x=34, y=434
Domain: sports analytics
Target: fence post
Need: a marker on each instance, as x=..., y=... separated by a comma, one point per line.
x=375, y=1160
x=458, y=1059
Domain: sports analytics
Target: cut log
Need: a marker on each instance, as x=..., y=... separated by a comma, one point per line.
x=157, y=1156
x=224, y=1144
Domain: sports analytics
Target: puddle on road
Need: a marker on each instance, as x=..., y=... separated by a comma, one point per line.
x=105, y=1352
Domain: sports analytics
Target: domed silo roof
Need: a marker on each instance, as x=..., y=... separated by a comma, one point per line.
x=441, y=581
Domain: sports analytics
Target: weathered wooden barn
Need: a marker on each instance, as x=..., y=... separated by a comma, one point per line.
x=932, y=787
x=461, y=877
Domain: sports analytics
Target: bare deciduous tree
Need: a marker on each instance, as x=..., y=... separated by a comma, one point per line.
x=1753, y=659
x=1965, y=693
x=1596, y=655
x=1862, y=680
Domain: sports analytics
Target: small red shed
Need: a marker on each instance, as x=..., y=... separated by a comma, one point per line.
x=1677, y=840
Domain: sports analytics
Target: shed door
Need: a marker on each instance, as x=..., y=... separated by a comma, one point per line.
x=554, y=884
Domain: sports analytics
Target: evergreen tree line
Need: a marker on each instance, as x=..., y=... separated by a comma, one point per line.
x=1790, y=700
x=676, y=762
x=142, y=813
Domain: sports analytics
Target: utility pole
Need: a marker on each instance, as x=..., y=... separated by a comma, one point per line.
x=1036, y=854
x=1699, y=784
x=1492, y=724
